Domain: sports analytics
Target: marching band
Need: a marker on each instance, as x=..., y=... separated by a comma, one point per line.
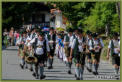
x=37, y=48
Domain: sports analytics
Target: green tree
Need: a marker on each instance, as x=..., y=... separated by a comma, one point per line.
x=103, y=18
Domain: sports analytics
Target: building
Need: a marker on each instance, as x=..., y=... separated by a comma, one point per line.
x=42, y=17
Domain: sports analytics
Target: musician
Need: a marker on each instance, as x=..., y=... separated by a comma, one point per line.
x=42, y=47
x=52, y=43
x=31, y=36
x=67, y=46
x=96, y=48
x=114, y=52
x=88, y=53
x=77, y=52
x=21, y=51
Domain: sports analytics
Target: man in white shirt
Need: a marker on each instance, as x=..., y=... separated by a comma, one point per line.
x=77, y=53
x=114, y=52
x=42, y=47
x=88, y=53
x=21, y=51
x=96, y=47
x=52, y=42
x=68, y=38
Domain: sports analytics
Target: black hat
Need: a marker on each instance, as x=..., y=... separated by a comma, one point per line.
x=38, y=30
x=80, y=31
x=89, y=32
x=70, y=30
x=51, y=28
x=95, y=34
x=115, y=34
x=41, y=33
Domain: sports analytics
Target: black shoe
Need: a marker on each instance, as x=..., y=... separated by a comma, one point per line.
x=31, y=69
x=22, y=67
x=42, y=77
x=34, y=74
x=89, y=69
x=69, y=72
x=97, y=73
x=77, y=78
x=37, y=76
x=94, y=73
x=50, y=67
x=117, y=77
x=26, y=67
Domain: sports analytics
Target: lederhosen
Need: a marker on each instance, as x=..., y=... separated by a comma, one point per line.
x=95, y=55
x=52, y=46
x=79, y=57
x=40, y=58
x=66, y=47
x=115, y=57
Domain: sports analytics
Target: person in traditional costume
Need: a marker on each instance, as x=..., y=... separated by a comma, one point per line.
x=42, y=47
x=114, y=52
x=52, y=43
x=96, y=47
x=78, y=54
x=67, y=46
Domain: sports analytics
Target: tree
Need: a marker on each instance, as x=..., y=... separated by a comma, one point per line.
x=103, y=18
x=14, y=14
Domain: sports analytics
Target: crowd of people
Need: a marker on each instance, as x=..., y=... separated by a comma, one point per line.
x=37, y=48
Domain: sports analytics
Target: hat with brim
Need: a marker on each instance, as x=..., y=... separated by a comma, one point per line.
x=80, y=31
x=41, y=33
x=88, y=32
x=115, y=34
x=51, y=28
x=94, y=35
x=70, y=30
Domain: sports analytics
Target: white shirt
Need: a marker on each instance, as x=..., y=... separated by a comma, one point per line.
x=95, y=43
x=116, y=46
x=40, y=51
x=70, y=40
x=90, y=44
x=80, y=44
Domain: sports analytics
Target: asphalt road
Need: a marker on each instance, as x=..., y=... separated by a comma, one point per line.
x=12, y=71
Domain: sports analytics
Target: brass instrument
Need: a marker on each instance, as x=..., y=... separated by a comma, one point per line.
x=31, y=59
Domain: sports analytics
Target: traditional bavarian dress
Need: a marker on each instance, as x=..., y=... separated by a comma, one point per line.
x=52, y=44
x=67, y=44
x=78, y=50
x=114, y=46
x=95, y=44
x=41, y=48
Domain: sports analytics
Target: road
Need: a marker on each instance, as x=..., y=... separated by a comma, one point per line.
x=12, y=71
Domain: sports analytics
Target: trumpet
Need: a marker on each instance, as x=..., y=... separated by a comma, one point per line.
x=31, y=59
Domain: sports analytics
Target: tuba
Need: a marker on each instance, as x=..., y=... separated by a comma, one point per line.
x=31, y=59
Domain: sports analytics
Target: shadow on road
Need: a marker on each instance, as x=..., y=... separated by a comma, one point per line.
x=11, y=49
